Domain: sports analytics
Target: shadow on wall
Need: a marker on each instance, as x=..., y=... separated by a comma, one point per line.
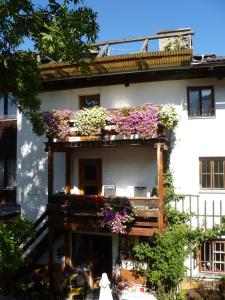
x=32, y=179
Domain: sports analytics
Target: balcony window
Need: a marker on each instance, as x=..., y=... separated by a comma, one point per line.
x=8, y=109
x=200, y=101
x=212, y=173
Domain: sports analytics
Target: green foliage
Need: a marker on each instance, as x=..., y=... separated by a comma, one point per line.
x=170, y=194
x=177, y=43
x=165, y=258
x=166, y=253
x=175, y=217
x=12, y=235
x=62, y=30
x=38, y=123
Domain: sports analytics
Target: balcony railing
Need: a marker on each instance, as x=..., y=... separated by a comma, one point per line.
x=82, y=212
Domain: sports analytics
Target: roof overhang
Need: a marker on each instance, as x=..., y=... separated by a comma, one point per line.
x=127, y=69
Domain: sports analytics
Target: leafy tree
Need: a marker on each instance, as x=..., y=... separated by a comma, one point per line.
x=62, y=30
x=12, y=235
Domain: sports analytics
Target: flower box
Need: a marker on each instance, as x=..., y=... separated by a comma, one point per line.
x=74, y=138
x=109, y=127
x=113, y=137
x=84, y=138
x=73, y=131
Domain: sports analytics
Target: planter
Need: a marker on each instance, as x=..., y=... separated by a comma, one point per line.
x=84, y=138
x=90, y=138
x=113, y=137
x=134, y=136
x=73, y=131
x=74, y=138
x=109, y=127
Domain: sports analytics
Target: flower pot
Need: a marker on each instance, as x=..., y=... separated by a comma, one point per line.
x=74, y=138
x=134, y=136
x=90, y=138
x=73, y=131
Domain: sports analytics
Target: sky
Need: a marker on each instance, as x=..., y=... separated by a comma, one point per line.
x=133, y=18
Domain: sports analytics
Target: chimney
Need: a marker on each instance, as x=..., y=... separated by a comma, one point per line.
x=175, y=39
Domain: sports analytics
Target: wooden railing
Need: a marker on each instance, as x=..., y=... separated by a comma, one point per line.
x=81, y=213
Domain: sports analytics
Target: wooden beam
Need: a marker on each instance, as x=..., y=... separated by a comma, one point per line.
x=146, y=224
x=67, y=243
x=91, y=260
x=68, y=172
x=50, y=257
x=160, y=185
x=104, y=51
x=185, y=32
x=144, y=47
x=50, y=172
x=142, y=231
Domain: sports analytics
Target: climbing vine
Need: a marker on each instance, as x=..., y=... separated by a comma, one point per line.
x=166, y=252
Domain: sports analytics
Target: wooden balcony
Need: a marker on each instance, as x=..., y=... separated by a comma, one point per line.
x=109, y=139
x=80, y=213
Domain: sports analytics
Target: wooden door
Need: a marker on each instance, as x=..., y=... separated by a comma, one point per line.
x=90, y=176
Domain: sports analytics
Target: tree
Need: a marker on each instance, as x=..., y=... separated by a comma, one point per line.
x=62, y=31
x=12, y=235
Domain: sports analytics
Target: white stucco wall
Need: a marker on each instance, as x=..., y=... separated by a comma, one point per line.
x=194, y=138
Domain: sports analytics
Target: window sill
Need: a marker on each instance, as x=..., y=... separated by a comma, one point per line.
x=8, y=119
x=10, y=188
x=201, y=117
x=212, y=191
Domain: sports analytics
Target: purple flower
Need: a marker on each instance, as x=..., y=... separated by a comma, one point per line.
x=116, y=220
x=142, y=120
x=56, y=123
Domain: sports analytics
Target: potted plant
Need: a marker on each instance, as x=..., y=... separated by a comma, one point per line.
x=56, y=124
x=116, y=217
x=141, y=120
x=90, y=121
x=168, y=116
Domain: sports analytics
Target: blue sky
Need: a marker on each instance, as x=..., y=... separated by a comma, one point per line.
x=131, y=18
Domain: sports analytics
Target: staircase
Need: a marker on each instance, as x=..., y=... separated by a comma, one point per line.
x=35, y=246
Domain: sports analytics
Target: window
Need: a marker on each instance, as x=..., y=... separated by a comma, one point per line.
x=89, y=101
x=7, y=172
x=212, y=256
x=200, y=101
x=212, y=173
x=8, y=109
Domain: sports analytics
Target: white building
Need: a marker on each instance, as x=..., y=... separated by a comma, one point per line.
x=195, y=85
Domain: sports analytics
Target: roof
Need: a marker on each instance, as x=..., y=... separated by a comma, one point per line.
x=120, y=64
x=144, y=65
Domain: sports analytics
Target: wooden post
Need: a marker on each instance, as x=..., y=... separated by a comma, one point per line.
x=50, y=173
x=50, y=256
x=91, y=261
x=67, y=244
x=160, y=184
x=68, y=172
